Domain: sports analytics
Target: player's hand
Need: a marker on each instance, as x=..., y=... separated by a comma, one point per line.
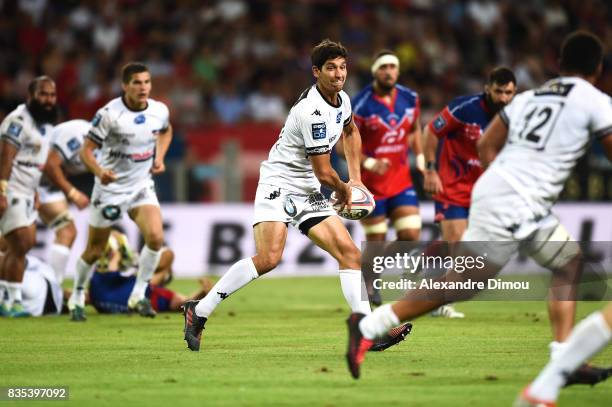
x=78, y=198
x=343, y=197
x=3, y=205
x=158, y=167
x=432, y=184
x=107, y=176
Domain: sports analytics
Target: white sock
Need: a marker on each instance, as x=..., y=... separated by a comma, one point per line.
x=587, y=338
x=556, y=348
x=147, y=263
x=354, y=291
x=81, y=280
x=379, y=322
x=58, y=259
x=14, y=293
x=239, y=275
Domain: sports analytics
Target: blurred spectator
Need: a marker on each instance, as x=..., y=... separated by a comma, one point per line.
x=227, y=104
x=264, y=105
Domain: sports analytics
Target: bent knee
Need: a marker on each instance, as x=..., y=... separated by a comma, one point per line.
x=349, y=256
x=267, y=261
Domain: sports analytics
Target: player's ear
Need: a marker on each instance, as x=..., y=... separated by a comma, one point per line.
x=315, y=71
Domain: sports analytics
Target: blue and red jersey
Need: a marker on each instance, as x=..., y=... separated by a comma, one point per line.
x=458, y=127
x=385, y=130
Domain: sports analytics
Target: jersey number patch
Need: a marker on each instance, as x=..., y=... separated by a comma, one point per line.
x=538, y=122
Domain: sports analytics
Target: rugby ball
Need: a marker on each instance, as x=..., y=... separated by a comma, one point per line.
x=362, y=204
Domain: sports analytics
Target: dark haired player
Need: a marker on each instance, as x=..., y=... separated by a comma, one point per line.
x=530, y=149
x=289, y=192
x=24, y=145
x=452, y=159
x=133, y=133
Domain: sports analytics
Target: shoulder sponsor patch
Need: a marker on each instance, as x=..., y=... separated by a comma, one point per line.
x=317, y=150
x=14, y=130
x=73, y=144
x=319, y=131
x=339, y=117
x=96, y=120
x=439, y=123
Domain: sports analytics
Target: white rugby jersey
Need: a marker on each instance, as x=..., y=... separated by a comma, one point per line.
x=32, y=141
x=313, y=127
x=67, y=139
x=549, y=129
x=127, y=140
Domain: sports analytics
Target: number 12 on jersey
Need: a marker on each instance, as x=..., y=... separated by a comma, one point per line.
x=536, y=124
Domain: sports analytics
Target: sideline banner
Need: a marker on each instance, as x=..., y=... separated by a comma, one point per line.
x=208, y=238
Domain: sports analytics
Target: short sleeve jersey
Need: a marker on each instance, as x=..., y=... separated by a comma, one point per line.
x=458, y=127
x=67, y=139
x=32, y=142
x=549, y=129
x=127, y=140
x=313, y=127
x=385, y=129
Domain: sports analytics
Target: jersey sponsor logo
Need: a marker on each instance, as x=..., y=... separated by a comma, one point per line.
x=318, y=202
x=74, y=144
x=317, y=150
x=96, y=120
x=136, y=157
x=140, y=119
x=14, y=130
x=319, y=131
x=338, y=117
x=289, y=207
x=554, y=89
x=439, y=123
x=316, y=113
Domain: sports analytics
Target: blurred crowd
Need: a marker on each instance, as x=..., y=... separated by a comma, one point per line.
x=230, y=61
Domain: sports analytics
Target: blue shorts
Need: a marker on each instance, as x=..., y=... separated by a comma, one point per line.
x=446, y=211
x=384, y=207
x=109, y=293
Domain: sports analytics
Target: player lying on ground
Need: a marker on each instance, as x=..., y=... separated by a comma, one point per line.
x=56, y=190
x=113, y=280
x=289, y=192
x=532, y=146
x=41, y=292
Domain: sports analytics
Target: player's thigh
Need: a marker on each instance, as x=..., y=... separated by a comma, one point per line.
x=270, y=239
x=453, y=229
x=406, y=220
x=21, y=240
x=331, y=235
x=149, y=220
x=375, y=228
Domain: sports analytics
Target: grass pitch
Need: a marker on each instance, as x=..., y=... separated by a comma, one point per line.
x=282, y=342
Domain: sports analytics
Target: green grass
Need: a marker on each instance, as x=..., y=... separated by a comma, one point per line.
x=281, y=342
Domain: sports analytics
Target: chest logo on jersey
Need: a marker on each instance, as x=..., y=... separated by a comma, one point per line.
x=316, y=113
x=319, y=131
x=439, y=123
x=14, y=130
x=339, y=117
x=74, y=144
x=140, y=119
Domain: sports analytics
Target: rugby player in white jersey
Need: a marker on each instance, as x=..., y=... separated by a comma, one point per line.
x=530, y=149
x=24, y=145
x=56, y=190
x=133, y=133
x=289, y=193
